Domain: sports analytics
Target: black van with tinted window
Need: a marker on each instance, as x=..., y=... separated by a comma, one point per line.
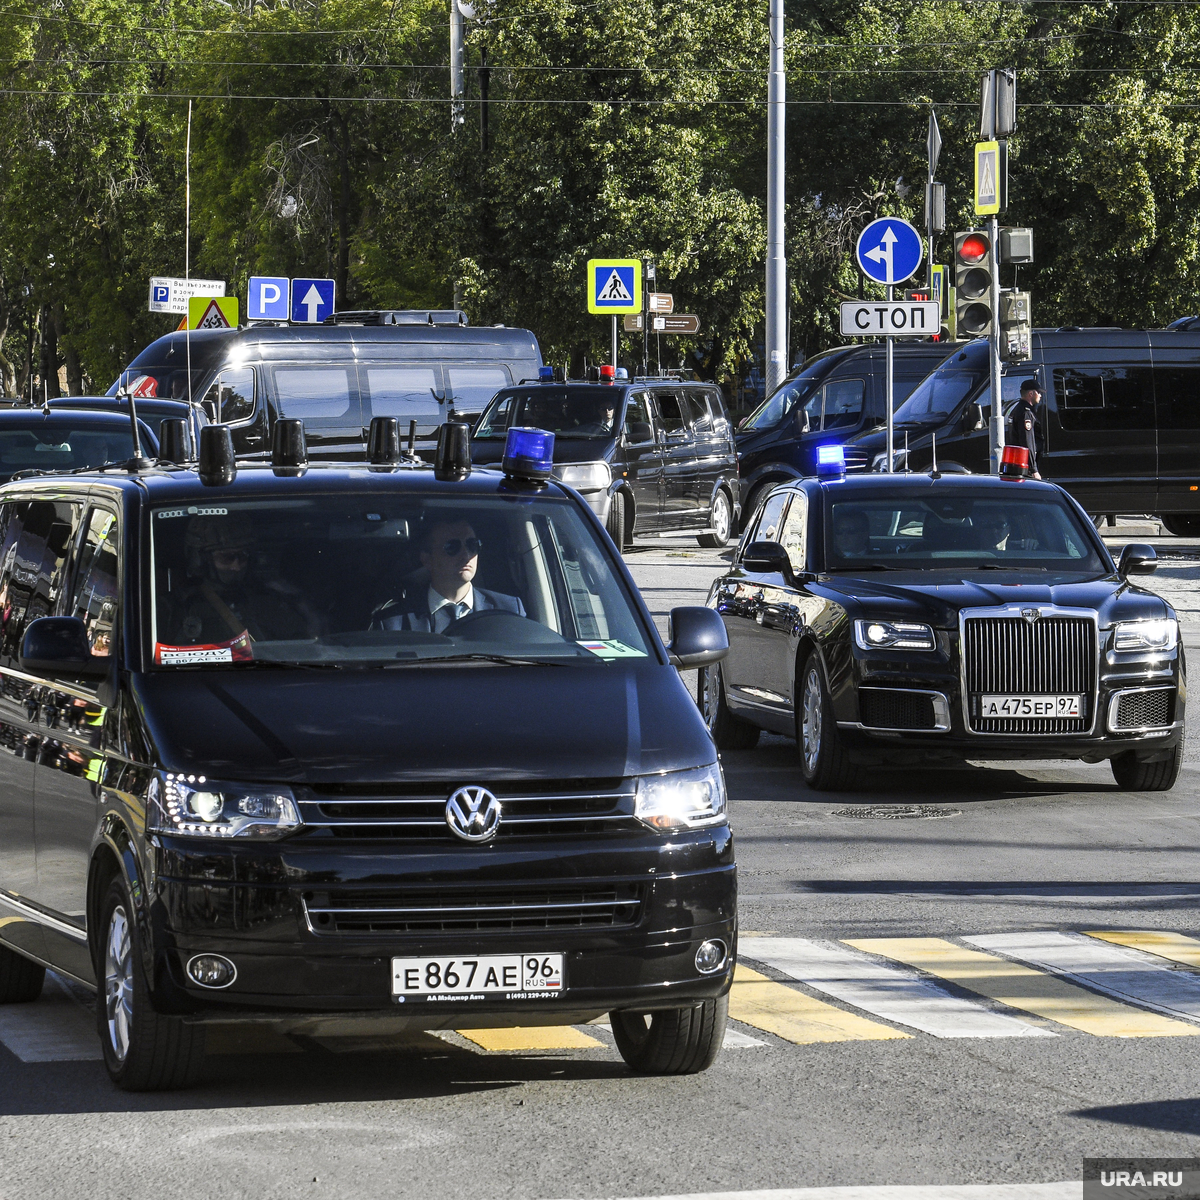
x=1120, y=418
x=834, y=396
x=335, y=377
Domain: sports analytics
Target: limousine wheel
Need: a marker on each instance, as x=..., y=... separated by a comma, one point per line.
x=720, y=523
x=20, y=979
x=824, y=763
x=1182, y=525
x=616, y=520
x=728, y=732
x=143, y=1050
x=1134, y=776
x=679, y=1041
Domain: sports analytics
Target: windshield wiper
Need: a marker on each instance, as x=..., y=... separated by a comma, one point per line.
x=507, y=660
x=1006, y=567
x=867, y=567
x=242, y=664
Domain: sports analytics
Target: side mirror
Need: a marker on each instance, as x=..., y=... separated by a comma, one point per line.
x=972, y=418
x=1137, y=559
x=58, y=647
x=640, y=431
x=767, y=558
x=697, y=637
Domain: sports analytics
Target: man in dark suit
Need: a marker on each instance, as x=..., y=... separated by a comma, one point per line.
x=450, y=553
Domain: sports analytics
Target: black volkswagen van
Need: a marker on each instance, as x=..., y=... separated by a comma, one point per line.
x=427, y=367
x=1120, y=418
x=252, y=769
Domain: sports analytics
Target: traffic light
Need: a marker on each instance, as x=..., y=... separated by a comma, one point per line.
x=1015, y=327
x=973, y=269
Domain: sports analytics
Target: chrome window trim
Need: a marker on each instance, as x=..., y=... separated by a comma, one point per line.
x=1014, y=610
x=941, y=711
x=1115, y=699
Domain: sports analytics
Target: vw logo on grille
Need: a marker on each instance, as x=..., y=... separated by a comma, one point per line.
x=1031, y=614
x=473, y=813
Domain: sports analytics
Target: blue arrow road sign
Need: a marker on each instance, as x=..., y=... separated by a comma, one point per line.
x=312, y=300
x=268, y=298
x=889, y=250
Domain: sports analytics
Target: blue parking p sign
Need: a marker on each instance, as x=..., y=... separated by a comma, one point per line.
x=312, y=300
x=161, y=293
x=267, y=299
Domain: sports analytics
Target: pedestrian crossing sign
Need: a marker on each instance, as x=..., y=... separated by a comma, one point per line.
x=213, y=312
x=614, y=285
x=991, y=178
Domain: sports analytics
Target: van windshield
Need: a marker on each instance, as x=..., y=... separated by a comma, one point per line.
x=933, y=400
x=576, y=412
x=376, y=580
x=159, y=382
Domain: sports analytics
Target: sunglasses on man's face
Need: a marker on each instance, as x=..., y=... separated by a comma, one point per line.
x=455, y=546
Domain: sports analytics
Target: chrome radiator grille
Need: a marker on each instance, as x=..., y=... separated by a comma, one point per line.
x=856, y=459
x=1010, y=656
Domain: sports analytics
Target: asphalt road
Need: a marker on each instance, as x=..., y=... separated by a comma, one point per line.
x=849, y=1068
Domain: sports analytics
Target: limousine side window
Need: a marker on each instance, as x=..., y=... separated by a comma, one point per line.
x=1105, y=398
x=231, y=397
x=37, y=537
x=1177, y=394
x=95, y=595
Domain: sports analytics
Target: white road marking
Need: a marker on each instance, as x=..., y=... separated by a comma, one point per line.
x=56, y=1028
x=1071, y=1190
x=1125, y=974
x=895, y=993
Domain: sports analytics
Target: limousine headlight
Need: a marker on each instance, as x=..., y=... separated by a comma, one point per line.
x=1160, y=634
x=681, y=799
x=893, y=635
x=584, y=477
x=194, y=806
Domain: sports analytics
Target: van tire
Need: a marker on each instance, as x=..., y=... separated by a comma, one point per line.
x=720, y=522
x=20, y=979
x=727, y=731
x=144, y=1051
x=1181, y=524
x=677, y=1041
x=1134, y=776
x=616, y=520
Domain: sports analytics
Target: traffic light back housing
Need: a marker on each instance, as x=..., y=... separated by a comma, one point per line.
x=973, y=268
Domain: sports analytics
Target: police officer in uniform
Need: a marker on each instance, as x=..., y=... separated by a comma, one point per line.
x=1024, y=428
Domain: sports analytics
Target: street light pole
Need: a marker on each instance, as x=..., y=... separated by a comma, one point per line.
x=456, y=66
x=776, y=263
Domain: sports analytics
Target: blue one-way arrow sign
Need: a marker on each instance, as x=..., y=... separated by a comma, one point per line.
x=312, y=300
x=889, y=250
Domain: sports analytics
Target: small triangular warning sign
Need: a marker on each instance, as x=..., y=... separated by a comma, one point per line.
x=213, y=318
x=615, y=291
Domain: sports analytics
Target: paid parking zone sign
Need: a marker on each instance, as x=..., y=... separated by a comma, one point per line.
x=614, y=285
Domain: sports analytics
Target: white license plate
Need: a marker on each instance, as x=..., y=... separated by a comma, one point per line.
x=1031, y=706
x=514, y=976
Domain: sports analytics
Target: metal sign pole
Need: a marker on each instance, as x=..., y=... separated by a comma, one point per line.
x=614, y=357
x=891, y=466
x=996, y=431
x=776, y=297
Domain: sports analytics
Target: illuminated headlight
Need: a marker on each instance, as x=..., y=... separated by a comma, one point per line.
x=893, y=635
x=584, y=477
x=682, y=799
x=193, y=806
x=1160, y=634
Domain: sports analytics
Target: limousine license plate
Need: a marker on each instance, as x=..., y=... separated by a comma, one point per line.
x=1031, y=706
x=514, y=976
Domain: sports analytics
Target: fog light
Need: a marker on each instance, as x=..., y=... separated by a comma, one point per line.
x=711, y=956
x=213, y=971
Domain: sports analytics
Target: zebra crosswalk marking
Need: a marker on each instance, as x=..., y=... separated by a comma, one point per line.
x=1021, y=987
x=1177, y=947
x=891, y=992
x=545, y=1037
x=1123, y=974
x=796, y=1017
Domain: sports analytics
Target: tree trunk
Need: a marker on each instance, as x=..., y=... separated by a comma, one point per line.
x=49, y=359
x=8, y=375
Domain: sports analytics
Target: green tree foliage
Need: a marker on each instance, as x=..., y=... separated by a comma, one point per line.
x=322, y=144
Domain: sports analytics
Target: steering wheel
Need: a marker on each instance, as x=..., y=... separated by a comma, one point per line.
x=497, y=624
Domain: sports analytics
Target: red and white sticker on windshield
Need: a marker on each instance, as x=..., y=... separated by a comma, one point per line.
x=237, y=650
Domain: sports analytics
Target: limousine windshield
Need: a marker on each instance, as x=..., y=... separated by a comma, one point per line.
x=378, y=580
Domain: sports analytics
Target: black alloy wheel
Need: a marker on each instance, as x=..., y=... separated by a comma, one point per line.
x=728, y=732
x=20, y=979
x=616, y=520
x=720, y=523
x=677, y=1041
x=1134, y=776
x=143, y=1050
x=824, y=763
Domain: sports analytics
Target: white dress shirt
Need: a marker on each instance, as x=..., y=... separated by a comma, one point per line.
x=442, y=611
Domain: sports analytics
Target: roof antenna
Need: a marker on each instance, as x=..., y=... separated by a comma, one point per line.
x=46, y=397
x=934, y=473
x=138, y=462
x=907, y=467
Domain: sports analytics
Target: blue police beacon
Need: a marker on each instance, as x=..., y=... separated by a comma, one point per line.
x=528, y=454
x=831, y=462
x=889, y=250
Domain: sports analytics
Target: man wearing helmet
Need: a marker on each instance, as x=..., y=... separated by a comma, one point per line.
x=229, y=592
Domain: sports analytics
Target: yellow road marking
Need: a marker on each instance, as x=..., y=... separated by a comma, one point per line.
x=796, y=1017
x=1175, y=946
x=548, y=1037
x=1022, y=987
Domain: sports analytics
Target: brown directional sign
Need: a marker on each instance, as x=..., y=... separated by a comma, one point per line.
x=679, y=323
x=634, y=322
x=661, y=302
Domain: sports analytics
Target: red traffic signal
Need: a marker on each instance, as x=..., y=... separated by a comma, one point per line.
x=972, y=248
x=973, y=269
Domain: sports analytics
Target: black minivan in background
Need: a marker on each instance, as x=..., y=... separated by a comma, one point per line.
x=427, y=367
x=1120, y=418
x=835, y=395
